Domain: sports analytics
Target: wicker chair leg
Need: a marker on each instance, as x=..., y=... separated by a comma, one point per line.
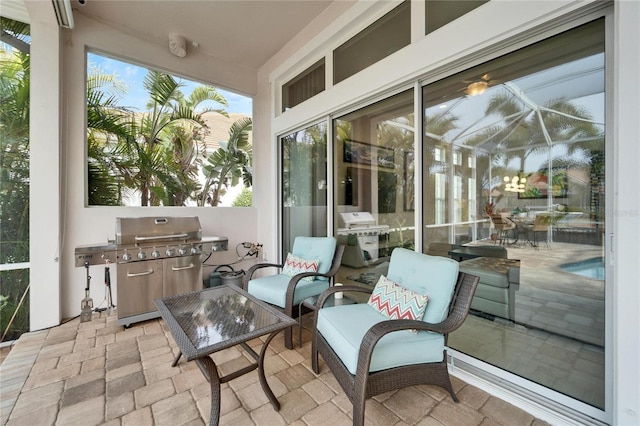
x=442, y=379
x=288, y=337
x=358, y=410
x=314, y=356
x=450, y=389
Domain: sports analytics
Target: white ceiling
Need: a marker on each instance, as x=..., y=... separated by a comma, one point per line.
x=244, y=32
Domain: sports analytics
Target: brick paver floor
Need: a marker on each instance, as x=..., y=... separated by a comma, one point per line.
x=99, y=373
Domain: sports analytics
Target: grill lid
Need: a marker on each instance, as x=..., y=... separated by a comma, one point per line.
x=148, y=230
x=357, y=219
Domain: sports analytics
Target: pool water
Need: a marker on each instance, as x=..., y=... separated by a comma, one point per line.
x=590, y=268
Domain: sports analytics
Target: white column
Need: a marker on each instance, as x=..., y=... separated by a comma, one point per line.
x=44, y=140
x=626, y=211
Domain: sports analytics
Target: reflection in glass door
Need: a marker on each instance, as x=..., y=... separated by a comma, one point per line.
x=374, y=186
x=522, y=138
x=304, y=184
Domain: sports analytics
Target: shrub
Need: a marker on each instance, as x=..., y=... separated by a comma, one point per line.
x=244, y=199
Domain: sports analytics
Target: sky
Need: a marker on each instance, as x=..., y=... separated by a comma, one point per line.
x=137, y=97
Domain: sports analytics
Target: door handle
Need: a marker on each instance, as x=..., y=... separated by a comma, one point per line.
x=139, y=274
x=182, y=268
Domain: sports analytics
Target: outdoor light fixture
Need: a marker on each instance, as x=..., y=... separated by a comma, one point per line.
x=476, y=88
x=63, y=13
x=515, y=184
x=177, y=45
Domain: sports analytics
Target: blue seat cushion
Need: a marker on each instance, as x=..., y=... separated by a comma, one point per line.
x=344, y=327
x=434, y=276
x=321, y=248
x=273, y=289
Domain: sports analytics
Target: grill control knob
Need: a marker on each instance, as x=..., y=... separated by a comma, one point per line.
x=155, y=253
x=142, y=255
x=182, y=251
x=126, y=256
x=195, y=250
x=169, y=252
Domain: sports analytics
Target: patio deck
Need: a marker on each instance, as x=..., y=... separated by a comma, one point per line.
x=100, y=373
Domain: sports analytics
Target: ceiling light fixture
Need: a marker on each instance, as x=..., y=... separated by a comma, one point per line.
x=515, y=184
x=477, y=88
x=64, y=14
x=177, y=45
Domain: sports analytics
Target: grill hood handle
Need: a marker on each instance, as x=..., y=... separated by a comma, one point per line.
x=161, y=237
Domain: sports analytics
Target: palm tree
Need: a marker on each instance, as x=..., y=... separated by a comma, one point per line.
x=537, y=130
x=151, y=136
x=105, y=126
x=230, y=163
x=155, y=154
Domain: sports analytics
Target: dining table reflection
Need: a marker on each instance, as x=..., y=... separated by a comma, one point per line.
x=522, y=233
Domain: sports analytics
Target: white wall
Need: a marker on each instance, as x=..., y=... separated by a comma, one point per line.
x=481, y=33
x=88, y=225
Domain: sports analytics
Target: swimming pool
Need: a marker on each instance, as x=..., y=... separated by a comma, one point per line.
x=590, y=268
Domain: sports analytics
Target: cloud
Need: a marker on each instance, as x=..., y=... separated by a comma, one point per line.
x=131, y=71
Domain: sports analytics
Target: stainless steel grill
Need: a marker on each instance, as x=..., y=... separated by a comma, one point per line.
x=363, y=227
x=156, y=257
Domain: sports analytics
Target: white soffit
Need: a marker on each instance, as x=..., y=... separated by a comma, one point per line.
x=15, y=9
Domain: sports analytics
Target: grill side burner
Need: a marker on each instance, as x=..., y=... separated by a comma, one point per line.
x=156, y=257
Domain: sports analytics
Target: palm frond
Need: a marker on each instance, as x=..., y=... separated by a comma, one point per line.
x=162, y=88
x=206, y=93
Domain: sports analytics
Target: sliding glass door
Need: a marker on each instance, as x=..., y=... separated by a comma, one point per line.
x=304, y=184
x=523, y=137
x=374, y=186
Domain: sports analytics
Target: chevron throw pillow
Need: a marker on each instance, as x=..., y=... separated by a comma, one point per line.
x=396, y=302
x=295, y=265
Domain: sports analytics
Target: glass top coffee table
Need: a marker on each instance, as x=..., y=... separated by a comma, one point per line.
x=207, y=321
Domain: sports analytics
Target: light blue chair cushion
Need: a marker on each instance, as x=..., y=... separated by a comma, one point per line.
x=310, y=248
x=273, y=289
x=344, y=327
x=434, y=276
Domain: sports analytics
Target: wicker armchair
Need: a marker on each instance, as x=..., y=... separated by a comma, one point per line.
x=391, y=355
x=288, y=292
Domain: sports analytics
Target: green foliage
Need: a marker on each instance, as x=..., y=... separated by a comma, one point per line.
x=230, y=163
x=156, y=154
x=244, y=199
x=14, y=177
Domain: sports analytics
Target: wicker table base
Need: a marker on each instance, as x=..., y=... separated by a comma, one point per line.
x=208, y=321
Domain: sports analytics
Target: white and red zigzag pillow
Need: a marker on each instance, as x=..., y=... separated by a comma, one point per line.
x=295, y=265
x=396, y=302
